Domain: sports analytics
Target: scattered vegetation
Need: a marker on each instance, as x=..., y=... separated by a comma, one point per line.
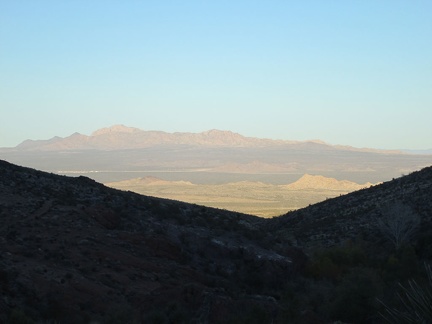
x=398, y=223
x=416, y=302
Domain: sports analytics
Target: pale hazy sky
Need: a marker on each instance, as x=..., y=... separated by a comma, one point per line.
x=347, y=72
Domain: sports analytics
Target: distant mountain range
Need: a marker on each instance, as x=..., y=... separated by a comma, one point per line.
x=418, y=151
x=120, y=137
x=111, y=154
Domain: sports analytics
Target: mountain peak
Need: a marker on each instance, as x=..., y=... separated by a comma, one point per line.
x=115, y=129
x=219, y=132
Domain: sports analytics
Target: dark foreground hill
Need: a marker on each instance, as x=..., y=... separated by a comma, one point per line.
x=360, y=215
x=75, y=251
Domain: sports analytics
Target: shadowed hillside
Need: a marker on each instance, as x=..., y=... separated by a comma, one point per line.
x=75, y=251
x=356, y=216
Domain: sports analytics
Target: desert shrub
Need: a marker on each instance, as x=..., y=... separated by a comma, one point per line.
x=415, y=303
x=347, y=256
x=120, y=314
x=401, y=265
x=398, y=223
x=17, y=316
x=290, y=304
x=254, y=280
x=157, y=317
x=324, y=267
x=256, y=314
x=424, y=245
x=334, y=262
x=172, y=313
x=356, y=297
x=176, y=313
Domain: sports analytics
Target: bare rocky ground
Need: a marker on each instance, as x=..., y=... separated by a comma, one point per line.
x=75, y=251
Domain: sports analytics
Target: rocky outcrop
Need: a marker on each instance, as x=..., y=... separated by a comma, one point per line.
x=317, y=182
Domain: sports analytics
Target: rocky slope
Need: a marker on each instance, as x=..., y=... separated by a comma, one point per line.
x=355, y=216
x=75, y=251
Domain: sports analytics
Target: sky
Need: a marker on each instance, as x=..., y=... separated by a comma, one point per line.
x=355, y=72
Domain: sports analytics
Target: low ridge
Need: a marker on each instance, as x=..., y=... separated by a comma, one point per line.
x=308, y=181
